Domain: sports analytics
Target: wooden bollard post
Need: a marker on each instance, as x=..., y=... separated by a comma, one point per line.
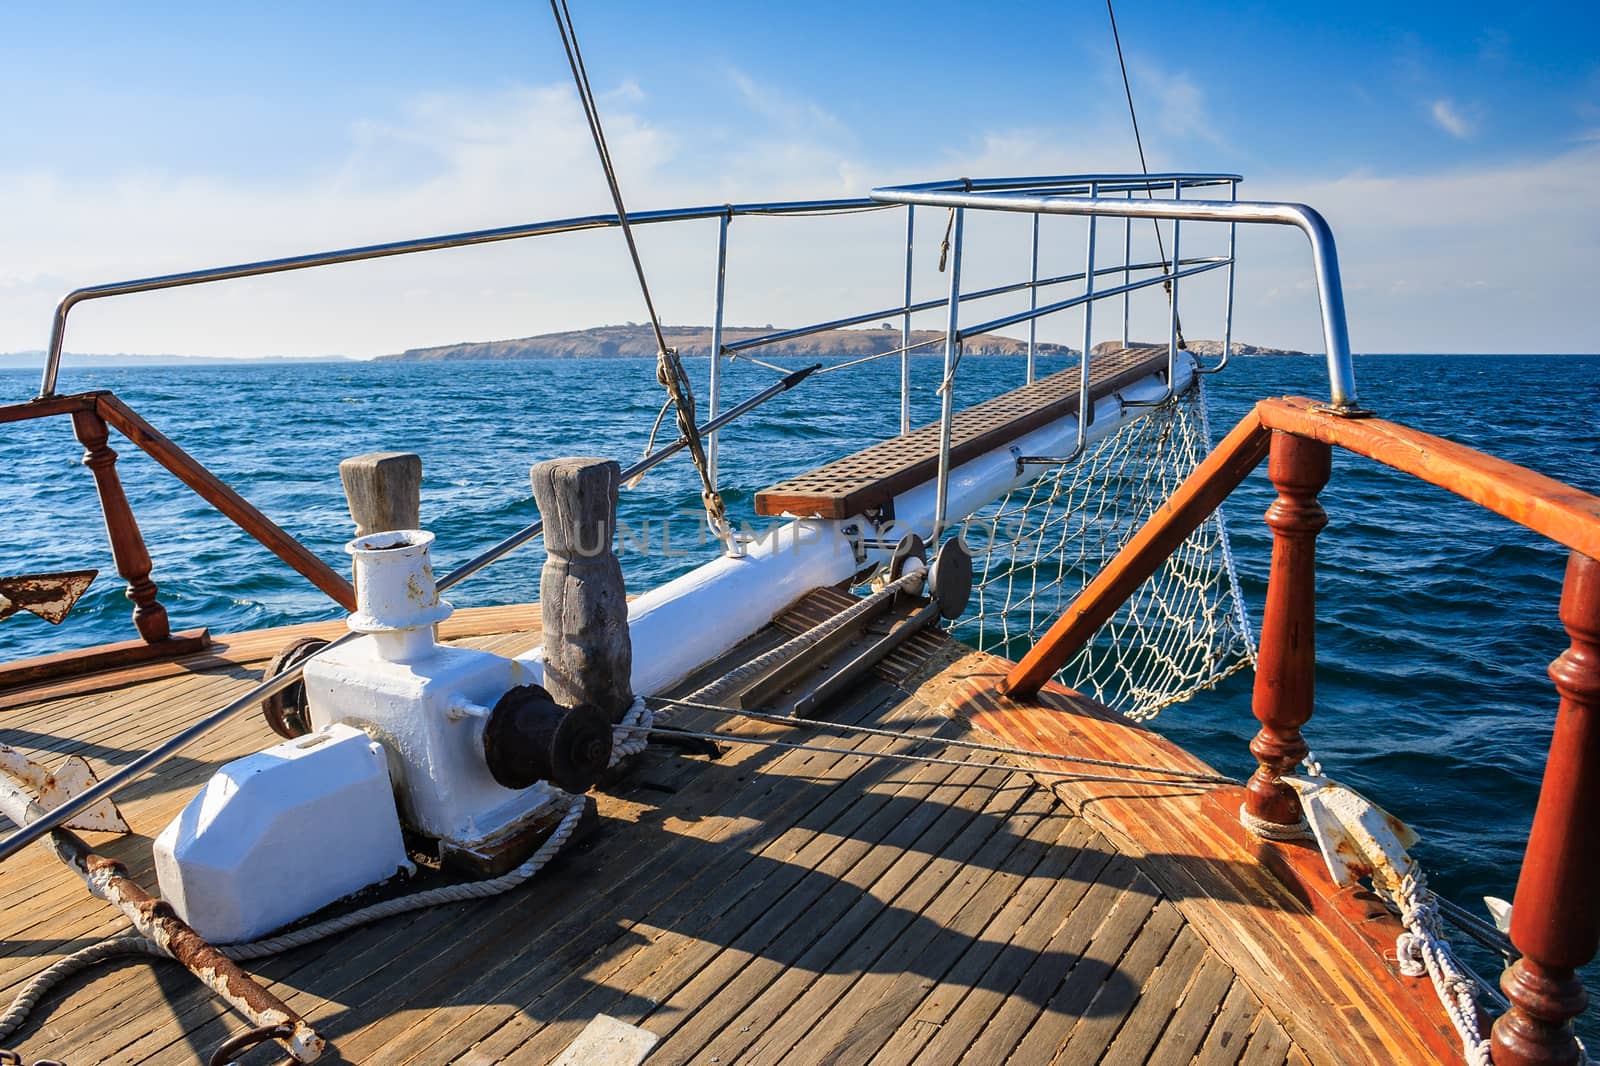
x=1555, y=919
x=588, y=657
x=1287, y=661
x=127, y=546
x=384, y=490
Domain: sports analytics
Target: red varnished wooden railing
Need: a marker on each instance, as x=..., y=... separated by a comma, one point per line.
x=93, y=415
x=1556, y=916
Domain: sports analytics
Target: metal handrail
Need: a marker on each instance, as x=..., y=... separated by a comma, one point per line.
x=58, y=325
x=1070, y=184
x=1330, y=291
x=1053, y=185
x=929, y=305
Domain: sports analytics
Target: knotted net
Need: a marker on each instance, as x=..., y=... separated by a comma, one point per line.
x=1184, y=630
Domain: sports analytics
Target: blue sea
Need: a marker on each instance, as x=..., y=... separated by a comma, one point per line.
x=1436, y=619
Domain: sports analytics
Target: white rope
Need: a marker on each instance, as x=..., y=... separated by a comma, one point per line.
x=632, y=735
x=1357, y=840
x=1422, y=949
x=47, y=979
x=1273, y=830
x=629, y=737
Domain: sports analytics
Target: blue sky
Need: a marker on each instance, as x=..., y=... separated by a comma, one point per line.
x=1455, y=147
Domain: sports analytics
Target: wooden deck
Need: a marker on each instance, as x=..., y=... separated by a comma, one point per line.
x=763, y=906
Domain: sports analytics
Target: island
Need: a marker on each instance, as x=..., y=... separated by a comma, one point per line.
x=636, y=341
x=633, y=341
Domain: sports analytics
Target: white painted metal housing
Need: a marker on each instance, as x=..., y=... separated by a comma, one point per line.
x=279, y=834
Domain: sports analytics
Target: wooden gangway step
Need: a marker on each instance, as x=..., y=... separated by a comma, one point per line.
x=870, y=478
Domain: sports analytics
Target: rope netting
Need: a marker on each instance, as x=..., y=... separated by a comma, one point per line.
x=1183, y=631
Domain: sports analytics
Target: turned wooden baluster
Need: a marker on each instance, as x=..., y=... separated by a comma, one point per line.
x=127, y=546
x=1286, y=662
x=1555, y=921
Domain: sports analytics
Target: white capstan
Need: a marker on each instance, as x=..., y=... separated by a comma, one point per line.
x=426, y=702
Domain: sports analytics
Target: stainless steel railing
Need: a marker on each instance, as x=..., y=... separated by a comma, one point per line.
x=1092, y=196
x=1330, y=291
x=58, y=325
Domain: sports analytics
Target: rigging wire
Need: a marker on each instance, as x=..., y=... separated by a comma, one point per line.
x=591, y=113
x=952, y=742
x=881, y=355
x=932, y=760
x=669, y=368
x=758, y=362
x=1138, y=141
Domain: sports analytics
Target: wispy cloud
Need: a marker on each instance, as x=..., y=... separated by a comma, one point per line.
x=467, y=160
x=1475, y=280
x=784, y=110
x=1449, y=118
x=1175, y=105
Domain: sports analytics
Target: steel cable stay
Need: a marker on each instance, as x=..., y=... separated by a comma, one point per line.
x=934, y=760
x=1144, y=168
x=669, y=368
x=953, y=742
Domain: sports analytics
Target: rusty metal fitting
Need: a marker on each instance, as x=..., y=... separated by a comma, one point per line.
x=529, y=737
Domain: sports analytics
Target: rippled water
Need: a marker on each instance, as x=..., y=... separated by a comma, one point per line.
x=1436, y=620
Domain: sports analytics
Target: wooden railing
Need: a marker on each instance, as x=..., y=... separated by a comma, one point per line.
x=1556, y=915
x=93, y=416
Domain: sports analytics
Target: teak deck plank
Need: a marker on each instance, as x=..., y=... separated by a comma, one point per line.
x=1104, y=967
x=842, y=867
x=1201, y=1002
x=1157, y=1003
x=1252, y=919
x=765, y=905
x=851, y=944
x=1051, y=891
x=1229, y=1033
x=750, y=966
x=993, y=990
x=879, y=1002
x=1269, y=1044
x=872, y=477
